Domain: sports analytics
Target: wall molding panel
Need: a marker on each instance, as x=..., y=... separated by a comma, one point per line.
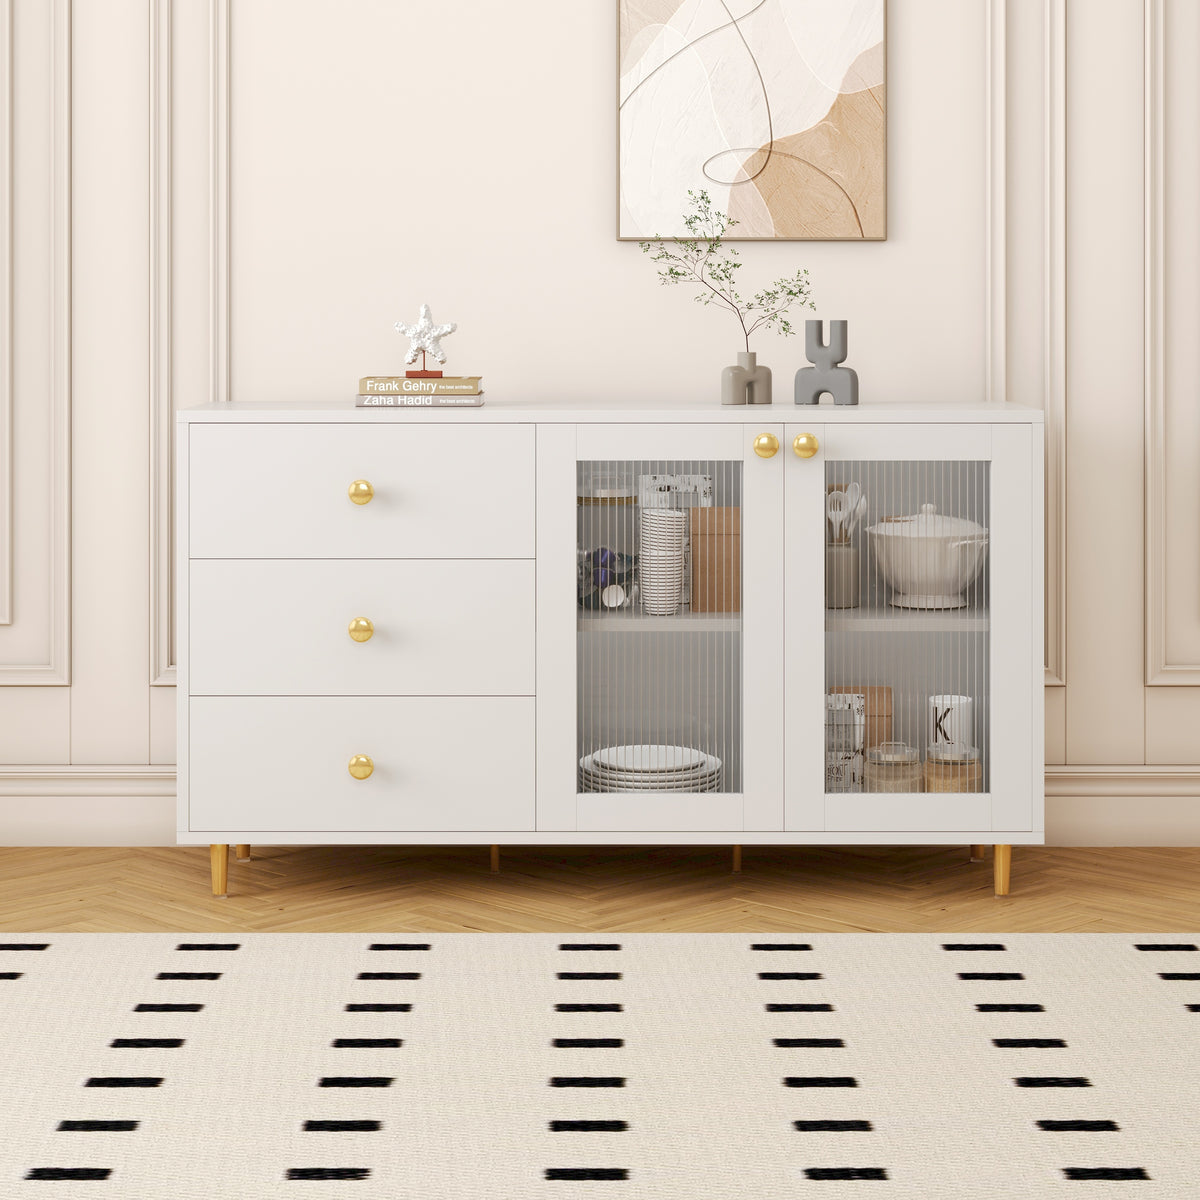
x=995, y=367
x=1160, y=669
x=1055, y=308
x=54, y=669
x=86, y=781
x=6, y=309
x=162, y=400
x=219, y=123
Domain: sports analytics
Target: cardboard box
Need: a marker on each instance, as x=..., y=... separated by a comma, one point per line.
x=716, y=544
x=879, y=710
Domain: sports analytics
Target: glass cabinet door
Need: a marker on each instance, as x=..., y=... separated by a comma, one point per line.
x=905, y=559
x=665, y=550
x=659, y=648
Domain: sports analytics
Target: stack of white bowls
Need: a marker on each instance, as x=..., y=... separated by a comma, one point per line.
x=649, y=769
x=663, y=534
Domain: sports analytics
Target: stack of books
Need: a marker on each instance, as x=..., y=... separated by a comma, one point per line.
x=426, y=391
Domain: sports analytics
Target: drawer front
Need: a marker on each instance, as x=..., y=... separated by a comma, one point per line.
x=440, y=491
x=278, y=627
x=280, y=764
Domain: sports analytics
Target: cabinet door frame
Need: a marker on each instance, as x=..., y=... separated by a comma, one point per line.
x=760, y=805
x=1015, y=549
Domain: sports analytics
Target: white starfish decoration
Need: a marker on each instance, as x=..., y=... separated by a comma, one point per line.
x=425, y=336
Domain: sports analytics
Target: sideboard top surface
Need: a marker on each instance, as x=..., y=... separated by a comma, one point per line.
x=618, y=410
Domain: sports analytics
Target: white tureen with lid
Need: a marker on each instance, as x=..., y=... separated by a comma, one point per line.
x=929, y=558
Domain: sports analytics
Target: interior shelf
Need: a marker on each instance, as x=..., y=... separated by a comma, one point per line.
x=634, y=621
x=886, y=619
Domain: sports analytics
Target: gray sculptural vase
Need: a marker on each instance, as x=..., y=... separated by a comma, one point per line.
x=826, y=375
x=747, y=383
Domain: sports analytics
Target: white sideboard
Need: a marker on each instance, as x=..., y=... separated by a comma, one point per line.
x=444, y=626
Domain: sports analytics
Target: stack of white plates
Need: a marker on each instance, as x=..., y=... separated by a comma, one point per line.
x=649, y=769
x=663, y=532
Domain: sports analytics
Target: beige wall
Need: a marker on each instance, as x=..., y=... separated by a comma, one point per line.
x=239, y=197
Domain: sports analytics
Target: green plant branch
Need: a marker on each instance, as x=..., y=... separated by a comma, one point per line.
x=703, y=260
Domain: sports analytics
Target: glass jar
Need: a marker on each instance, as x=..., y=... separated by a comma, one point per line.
x=953, y=767
x=892, y=767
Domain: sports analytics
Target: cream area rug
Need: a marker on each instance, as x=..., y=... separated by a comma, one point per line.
x=637, y=1066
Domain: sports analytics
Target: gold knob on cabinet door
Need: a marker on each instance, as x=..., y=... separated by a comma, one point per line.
x=360, y=492
x=765, y=445
x=361, y=766
x=361, y=629
x=805, y=445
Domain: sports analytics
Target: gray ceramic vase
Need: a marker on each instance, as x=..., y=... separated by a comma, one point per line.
x=747, y=383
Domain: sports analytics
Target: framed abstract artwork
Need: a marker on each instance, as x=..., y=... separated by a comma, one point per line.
x=776, y=108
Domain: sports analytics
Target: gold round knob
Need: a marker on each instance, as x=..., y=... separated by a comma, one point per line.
x=361, y=766
x=765, y=445
x=805, y=445
x=361, y=629
x=360, y=492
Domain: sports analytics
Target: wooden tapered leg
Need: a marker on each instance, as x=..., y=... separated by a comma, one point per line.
x=737, y=859
x=1002, y=868
x=977, y=853
x=218, y=854
x=495, y=860
x=243, y=853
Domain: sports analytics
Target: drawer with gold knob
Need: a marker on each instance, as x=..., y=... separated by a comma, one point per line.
x=320, y=764
x=361, y=491
x=371, y=627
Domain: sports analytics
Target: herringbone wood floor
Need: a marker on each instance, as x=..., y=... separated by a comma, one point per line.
x=578, y=888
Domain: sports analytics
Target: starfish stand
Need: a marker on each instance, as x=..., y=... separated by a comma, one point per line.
x=422, y=373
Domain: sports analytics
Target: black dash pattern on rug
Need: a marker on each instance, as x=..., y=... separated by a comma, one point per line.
x=588, y=1043
x=820, y=1081
x=379, y=1008
x=833, y=1126
x=328, y=1172
x=588, y=1126
x=1029, y=1043
x=124, y=1081
x=587, y=1081
x=1180, y=975
x=399, y=946
x=973, y=946
x=168, y=1007
x=587, y=1173
x=1052, y=1081
x=145, y=1043
x=388, y=975
x=188, y=975
x=209, y=946
x=1168, y=947
x=81, y=1126
x=10, y=974
x=24, y=945
x=589, y=1008
x=789, y=975
x=342, y=1126
x=65, y=1173
x=780, y=946
x=807, y=1043
x=990, y=975
x=590, y=946
x=356, y=1081
x=829, y=1174
x=589, y=975
x=1105, y=1173
x=1010, y=1008
x=1078, y=1126
x=367, y=1043
x=799, y=1008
